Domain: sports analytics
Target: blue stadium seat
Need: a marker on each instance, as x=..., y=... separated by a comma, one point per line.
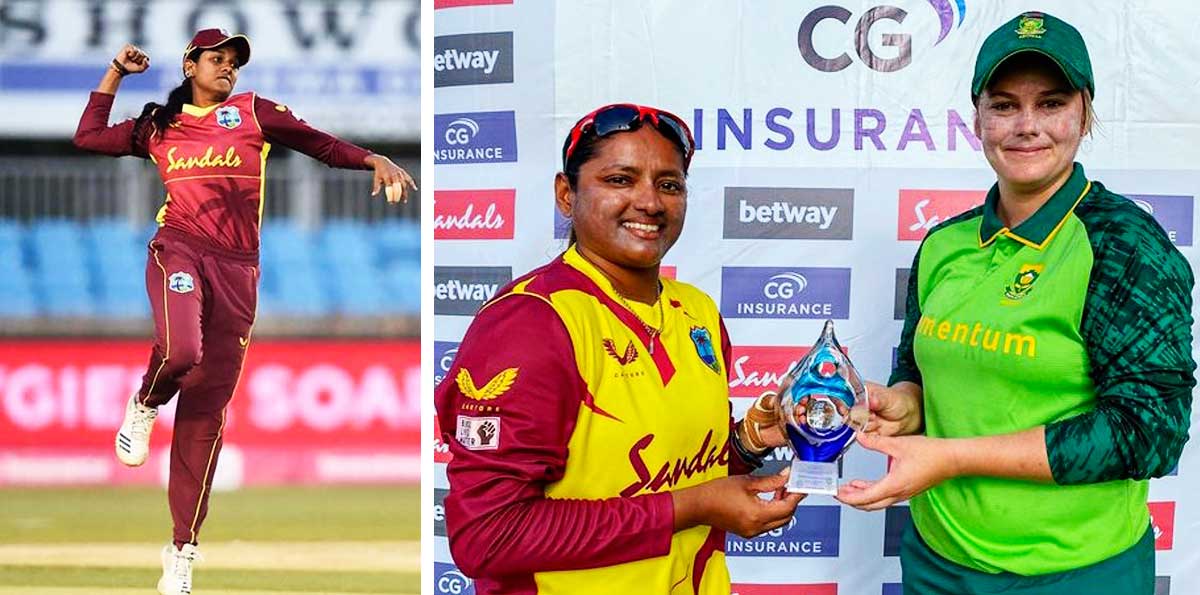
x=285, y=244
x=398, y=240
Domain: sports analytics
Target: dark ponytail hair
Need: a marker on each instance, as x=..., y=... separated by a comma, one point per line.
x=159, y=116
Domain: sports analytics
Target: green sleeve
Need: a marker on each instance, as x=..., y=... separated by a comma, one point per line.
x=905, y=369
x=1137, y=326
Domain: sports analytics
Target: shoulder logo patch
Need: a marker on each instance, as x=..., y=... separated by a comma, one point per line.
x=628, y=357
x=498, y=385
x=1023, y=282
x=181, y=282
x=229, y=117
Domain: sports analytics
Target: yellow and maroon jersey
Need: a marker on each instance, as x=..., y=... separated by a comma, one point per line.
x=213, y=160
x=570, y=428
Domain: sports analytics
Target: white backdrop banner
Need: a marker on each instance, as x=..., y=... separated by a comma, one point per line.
x=831, y=137
x=349, y=67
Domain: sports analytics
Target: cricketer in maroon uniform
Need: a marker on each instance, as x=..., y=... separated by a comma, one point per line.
x=210, y=147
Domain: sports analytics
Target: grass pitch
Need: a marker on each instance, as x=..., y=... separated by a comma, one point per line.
x=263, y=540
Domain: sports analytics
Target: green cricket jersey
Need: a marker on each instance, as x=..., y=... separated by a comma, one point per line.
x=1079, y=319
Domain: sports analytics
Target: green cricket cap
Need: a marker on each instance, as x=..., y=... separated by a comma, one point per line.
x=1035, y=32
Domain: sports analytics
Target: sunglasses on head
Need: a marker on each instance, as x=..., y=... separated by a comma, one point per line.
x=624, y=117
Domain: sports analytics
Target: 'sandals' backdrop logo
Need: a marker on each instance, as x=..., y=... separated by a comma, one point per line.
x=474, y=214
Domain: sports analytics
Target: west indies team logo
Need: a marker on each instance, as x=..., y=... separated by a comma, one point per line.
x=702, y=339
x=1031, y=25
x=1023, y=282
x=229, y=117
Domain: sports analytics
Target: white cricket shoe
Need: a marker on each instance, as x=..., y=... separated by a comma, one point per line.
x=177, y=569
x=133, y=439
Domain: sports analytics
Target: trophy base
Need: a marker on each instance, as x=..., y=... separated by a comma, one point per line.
x=810, y=477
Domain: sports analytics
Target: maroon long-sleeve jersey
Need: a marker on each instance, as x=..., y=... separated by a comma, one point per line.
x=213, y=160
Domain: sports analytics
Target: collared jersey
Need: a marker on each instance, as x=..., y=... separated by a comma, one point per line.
x=623, y=420
x=1078, y=319
x=213, y=160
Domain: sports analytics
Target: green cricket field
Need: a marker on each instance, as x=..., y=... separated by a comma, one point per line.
x=278, y=541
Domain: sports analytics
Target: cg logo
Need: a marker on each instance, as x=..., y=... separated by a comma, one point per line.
x=862, y=34
x=779, y=531
x=784, y=286
x=461, y=131
x=448, y=359
x=454, y=583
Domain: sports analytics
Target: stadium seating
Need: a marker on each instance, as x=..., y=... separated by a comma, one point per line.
x=66, y=268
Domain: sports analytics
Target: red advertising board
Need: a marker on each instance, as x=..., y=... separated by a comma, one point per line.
x=474, y=214
x=303, y=411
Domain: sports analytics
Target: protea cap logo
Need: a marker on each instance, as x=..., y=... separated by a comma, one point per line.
x=1031, y=25
x=902, y=42
x=229, y=117
x=1022, y=284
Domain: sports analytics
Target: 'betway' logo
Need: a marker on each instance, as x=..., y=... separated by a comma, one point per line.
x=439, y=511
x=756, y=369
x=474, y=214
x=1173, y=214
x=710, y=455
x=778, y=292
x=921, y=210
x=462, y=290
x=789, y=213
x=473, y=59
x=479, y=137
x=812, y=532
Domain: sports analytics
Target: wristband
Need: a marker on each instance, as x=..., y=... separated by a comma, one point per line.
x=755, y=461
x=121, y=70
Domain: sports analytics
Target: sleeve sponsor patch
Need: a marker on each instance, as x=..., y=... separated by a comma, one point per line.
x=478, y=433
x=498, y=385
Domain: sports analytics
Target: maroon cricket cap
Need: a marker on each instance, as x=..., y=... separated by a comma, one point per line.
x=210, y=39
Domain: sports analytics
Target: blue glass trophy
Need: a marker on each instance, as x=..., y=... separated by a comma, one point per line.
x=823, y=401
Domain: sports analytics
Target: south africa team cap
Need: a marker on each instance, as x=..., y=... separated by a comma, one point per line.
x=1035, y=32
x=211, y=39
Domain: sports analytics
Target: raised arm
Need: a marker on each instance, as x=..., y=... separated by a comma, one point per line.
x=93, y=133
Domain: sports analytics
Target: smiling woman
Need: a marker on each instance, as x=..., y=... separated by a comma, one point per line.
x=202, y=273
x=593, y=450
x=1031, y=473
